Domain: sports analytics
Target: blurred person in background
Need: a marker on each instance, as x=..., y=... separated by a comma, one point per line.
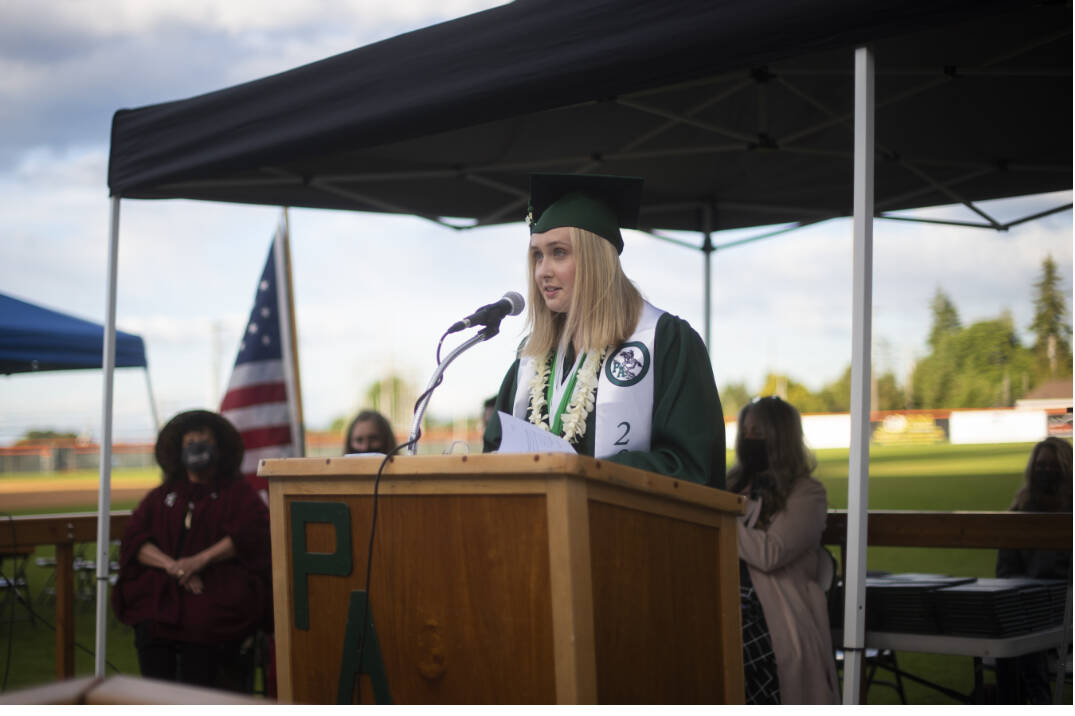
x=194, y=578
x=369, y=432
x=488, y=410
x=785, y=565
x=1046, y=488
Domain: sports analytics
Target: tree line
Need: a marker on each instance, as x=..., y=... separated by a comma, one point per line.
x=981, y=365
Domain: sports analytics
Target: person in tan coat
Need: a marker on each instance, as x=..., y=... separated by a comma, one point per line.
x=780, y=542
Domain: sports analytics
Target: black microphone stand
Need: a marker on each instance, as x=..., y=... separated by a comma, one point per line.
x=420, y=409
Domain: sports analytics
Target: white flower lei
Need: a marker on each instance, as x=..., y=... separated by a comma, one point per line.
x=582, y=398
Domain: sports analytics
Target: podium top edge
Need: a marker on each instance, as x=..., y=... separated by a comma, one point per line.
x=493, y=468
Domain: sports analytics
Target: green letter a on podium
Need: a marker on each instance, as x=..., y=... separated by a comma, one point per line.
x=351, y=669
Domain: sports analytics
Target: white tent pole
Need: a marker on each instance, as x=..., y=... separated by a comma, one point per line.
x=707, y=249
x=862, y=303
x=104, y=494
x=152, y=403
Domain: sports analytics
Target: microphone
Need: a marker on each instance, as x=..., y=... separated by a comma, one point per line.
x=491, y=314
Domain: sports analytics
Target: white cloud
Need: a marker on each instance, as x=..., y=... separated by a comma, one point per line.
x=236, y=16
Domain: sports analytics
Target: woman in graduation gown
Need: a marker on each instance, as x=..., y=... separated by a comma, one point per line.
x=616, y=377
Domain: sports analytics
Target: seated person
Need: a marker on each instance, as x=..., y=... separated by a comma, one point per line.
x=194, y=578
x=1046, y=488
x=369, y=432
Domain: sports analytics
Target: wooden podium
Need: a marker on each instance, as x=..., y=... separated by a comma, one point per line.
x=544, y=578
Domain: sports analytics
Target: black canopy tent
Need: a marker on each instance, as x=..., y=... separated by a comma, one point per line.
x=737, y=113
x=739, y=106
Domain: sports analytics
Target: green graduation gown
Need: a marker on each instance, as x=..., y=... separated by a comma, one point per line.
x=687, y=434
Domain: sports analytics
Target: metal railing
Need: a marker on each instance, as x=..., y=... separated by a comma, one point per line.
x=63, y=532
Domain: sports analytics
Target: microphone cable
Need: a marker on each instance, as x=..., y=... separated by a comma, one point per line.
x=369, y=563
x=373, y=517
x=373, y=523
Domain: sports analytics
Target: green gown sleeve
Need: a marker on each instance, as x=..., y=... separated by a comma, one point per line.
x=687, y=435
x=505, y=400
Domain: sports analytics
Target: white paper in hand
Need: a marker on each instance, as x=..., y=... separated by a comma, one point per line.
x=520, y=436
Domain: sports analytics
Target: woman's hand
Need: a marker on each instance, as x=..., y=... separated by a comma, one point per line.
x=187, y=568
x=151, y=555
x=194, y=584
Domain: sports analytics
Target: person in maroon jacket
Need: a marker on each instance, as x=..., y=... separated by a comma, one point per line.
x=194, y=578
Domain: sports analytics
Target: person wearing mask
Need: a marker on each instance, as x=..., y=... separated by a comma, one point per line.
x=194, y=577
x=613, y=375
x=369, y=432
x=780, y=545
x=1046, y=488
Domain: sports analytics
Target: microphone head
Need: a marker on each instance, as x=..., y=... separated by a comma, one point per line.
x=516, y=301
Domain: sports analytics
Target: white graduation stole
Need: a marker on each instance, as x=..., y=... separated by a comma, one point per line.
x=624, y=390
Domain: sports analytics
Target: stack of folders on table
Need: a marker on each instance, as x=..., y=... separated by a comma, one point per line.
x=1001, y=607
x=963, y=606
x=904, y=602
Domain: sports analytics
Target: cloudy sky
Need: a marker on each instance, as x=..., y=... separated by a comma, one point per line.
x=374, y=293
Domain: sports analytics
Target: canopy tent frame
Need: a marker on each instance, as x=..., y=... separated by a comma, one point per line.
x=933, y=176
x=341, y=184
x=761, y=78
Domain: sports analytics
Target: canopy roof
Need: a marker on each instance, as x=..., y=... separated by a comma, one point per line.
x=740, y=107
x=33, y=338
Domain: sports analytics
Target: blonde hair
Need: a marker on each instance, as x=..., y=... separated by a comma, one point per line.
x=605, y=305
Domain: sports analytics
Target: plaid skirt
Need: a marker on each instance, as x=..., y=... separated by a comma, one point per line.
x=760, y=680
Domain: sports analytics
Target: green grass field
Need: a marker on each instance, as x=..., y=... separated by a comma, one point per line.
x=943, y=478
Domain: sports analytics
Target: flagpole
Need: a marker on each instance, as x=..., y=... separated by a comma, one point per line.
x=290, y=341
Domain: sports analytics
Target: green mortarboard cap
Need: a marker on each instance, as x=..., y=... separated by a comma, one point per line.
x=594, y=202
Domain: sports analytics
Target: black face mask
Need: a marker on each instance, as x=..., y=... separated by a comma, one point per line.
x=1045, y=480
x=198, y=455
x=753, y=456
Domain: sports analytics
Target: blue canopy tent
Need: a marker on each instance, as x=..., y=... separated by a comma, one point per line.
x=34, y=338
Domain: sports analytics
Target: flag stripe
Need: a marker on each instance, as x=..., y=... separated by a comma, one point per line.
x=241, y=397
x=257, y=401
x=257, y=416
x=262, y=371
x=266, y=436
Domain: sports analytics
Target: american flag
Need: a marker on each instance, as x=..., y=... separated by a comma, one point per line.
x=259, y=402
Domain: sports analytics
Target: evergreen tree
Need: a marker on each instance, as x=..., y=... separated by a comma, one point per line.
x=945, y=318
x=890, y=394
x=1052, y=334
x=980, y=366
